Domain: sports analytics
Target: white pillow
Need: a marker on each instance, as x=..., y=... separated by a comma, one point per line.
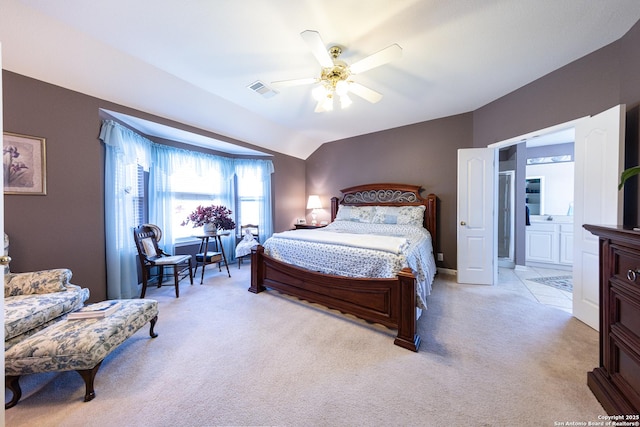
x=354, y=213
x=409, y=215
x=148, y=247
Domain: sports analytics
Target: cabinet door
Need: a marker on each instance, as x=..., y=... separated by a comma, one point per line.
x=566, y=244
x=542, y=244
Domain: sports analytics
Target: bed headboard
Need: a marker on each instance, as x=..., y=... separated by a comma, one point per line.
x=389, y=195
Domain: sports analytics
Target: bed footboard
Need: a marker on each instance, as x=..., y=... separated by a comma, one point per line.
x=390, y=302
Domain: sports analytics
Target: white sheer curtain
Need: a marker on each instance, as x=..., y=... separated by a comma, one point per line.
x=259, y=170
x=124, y=151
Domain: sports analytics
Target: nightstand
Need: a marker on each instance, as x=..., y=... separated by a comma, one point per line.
x=302, y=226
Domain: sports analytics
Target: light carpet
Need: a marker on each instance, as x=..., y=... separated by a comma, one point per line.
x=225, y=356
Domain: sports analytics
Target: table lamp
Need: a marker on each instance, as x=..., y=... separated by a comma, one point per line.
x=314, y=204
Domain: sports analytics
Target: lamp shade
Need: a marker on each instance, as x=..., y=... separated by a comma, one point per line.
x=314, y=202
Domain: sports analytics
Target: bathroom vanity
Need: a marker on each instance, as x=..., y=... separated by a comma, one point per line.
x=549, y=240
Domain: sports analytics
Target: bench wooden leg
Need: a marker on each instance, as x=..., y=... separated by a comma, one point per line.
x=12, y=383
x=153, y=324
x=88, y=375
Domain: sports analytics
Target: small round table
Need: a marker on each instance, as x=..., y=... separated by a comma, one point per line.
x=204, y=256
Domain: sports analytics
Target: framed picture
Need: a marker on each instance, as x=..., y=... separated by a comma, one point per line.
x=301, y=221
x=24, y=164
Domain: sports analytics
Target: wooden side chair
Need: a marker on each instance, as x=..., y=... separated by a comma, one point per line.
x=243, y=247
x=146, y=237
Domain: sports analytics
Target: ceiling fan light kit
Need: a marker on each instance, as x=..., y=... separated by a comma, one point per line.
x=335, y=79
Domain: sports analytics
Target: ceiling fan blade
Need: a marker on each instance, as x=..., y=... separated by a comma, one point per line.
x=318, y=49
x=294, y=82
x=364, y=92
x=381, y=57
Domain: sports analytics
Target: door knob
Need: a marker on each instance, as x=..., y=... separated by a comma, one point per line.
x=5, y=260
x=463, y=223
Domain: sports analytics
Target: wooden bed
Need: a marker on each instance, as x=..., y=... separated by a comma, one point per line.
x=390, y=302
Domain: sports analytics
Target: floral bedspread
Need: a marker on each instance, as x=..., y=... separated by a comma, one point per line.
x=342, y=259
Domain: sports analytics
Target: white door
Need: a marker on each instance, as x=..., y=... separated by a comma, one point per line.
x=477, y=218
x=599, y=154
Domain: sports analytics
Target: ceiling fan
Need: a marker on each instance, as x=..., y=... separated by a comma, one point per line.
x=336, y=76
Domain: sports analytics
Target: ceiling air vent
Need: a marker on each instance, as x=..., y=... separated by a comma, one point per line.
x=262, y=89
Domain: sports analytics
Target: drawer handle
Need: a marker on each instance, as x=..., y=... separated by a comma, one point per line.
x=633, y=274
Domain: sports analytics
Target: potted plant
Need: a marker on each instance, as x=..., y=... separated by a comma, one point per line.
x=212, y=218
x=626, y=174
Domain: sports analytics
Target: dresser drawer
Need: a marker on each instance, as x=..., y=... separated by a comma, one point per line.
x=626, y=267
x=625, y=371
x=624, y=319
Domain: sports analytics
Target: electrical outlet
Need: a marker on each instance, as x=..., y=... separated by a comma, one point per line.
x=440, y=256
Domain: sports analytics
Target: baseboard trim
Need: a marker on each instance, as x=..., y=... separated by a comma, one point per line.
x=447, y=271
x=565, y=267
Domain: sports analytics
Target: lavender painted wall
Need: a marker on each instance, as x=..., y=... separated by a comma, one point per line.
x=65, y=228
x=630, y=67
x=584, y=87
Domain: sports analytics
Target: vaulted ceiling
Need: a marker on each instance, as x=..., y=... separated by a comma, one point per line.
x=191, y=61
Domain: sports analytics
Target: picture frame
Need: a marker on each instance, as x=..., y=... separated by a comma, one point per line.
x=301, y=221
x=24, y=164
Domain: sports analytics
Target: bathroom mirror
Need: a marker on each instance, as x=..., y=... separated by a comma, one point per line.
x=556, y=186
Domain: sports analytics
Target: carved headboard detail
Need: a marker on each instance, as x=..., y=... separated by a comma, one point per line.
x=389, y=195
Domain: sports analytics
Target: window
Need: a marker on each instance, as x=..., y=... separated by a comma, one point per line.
x=250, y=198
x=188, y=191
x=140, y=209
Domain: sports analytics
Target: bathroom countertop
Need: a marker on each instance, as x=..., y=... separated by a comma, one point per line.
x=564, y=219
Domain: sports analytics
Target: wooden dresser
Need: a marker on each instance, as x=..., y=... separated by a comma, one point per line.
x=616, y=382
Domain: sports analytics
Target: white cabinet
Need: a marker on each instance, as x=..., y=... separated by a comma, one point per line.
x=549, y=243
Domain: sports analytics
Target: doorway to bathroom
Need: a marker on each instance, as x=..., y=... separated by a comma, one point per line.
x=546, y=176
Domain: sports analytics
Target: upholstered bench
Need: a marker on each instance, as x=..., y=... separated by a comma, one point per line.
x=79, y=345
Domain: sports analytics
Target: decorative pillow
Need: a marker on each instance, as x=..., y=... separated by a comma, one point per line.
x=409, y=215
x=38, y=282
x=344, y=213
x=148, y=247
x=354, y=213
